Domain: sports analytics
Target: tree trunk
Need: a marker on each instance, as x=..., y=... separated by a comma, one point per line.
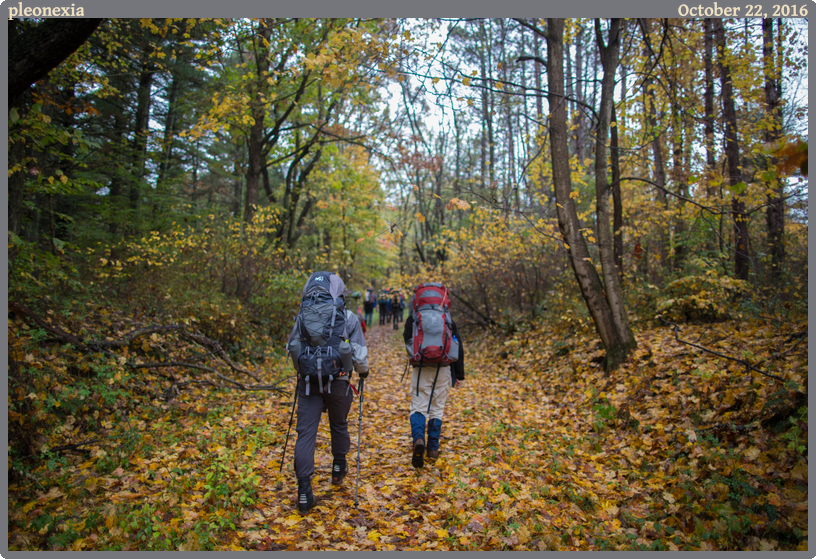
x=775, y=212
x=617, y=211
x=483, y=138
x=256, y=141
x=657, y=148
x=616, y=342
x=16, y=180
x=169, y=128
x=741, y=261
x=577, y=115
x=614, y=295
x=36, y=51
x=141, y=132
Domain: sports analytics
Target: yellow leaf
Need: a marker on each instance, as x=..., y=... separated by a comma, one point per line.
x=370, y=234
x=523, y=535
x=442, y=533
x=374, y=536
x=435, y=80
x=419, y=217
x=465, y=81
x=752, y=453
x=29, y=506
x=50, y=180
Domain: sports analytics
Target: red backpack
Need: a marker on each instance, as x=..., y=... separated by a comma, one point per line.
x=433, y=339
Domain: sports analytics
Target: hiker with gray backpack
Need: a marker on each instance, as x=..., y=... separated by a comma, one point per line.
x=436, y=352
x=326, y=344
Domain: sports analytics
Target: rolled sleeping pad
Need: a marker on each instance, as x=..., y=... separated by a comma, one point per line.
x=294, y=351
x=345, y=355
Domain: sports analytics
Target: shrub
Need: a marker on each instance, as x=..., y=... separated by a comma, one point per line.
x=707, y=298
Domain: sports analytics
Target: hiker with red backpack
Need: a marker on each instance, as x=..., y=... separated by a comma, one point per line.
x=436, y=352
x=326, y=344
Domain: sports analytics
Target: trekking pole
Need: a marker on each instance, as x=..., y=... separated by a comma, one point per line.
x=290, y=427
x=405, y=371
x=359, y=437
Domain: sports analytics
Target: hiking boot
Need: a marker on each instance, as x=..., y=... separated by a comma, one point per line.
x=418, y=459
x=339, y=469
x=433, y=453
x=306, y=498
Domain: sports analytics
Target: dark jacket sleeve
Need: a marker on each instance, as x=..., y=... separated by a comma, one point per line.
x=408, y=330
x=458, y=367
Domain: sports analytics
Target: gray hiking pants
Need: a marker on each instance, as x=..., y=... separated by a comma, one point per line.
x=309, y=410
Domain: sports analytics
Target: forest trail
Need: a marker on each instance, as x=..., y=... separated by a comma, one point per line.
x=399, y=507
x=540, y=450
x=506, y=478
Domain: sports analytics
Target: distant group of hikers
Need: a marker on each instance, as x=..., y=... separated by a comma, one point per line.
x=327, y=344
x=391, y=303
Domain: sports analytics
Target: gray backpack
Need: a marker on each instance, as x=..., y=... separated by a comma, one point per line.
x=321, y=351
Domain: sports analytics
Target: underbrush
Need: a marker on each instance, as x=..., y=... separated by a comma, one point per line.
x=714, y=453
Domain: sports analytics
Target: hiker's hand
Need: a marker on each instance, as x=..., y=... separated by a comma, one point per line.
x=458, y=382
x=363, y=375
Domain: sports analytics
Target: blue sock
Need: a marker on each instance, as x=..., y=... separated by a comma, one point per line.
x=434, y=431
x=417, y=426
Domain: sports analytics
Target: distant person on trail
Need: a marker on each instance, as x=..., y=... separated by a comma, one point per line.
x=383, y=304
x=387, y=308
x=432, y=376
x=368, y=306
x=324, y=342
x=396, y=311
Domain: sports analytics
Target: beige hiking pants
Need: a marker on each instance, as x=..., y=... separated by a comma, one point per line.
x=419, y=401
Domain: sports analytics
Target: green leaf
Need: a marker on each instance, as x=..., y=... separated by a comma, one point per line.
x=14, y=116
x=738, y=188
